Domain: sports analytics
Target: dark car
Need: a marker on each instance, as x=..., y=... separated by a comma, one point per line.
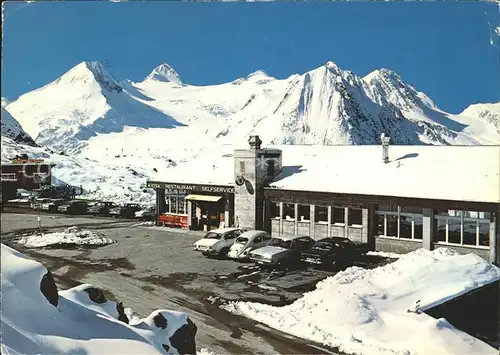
x=52, y=205
x=283, y=251
x=329, y=252
x=73, y=207
x=101, y=208
x=128, y=210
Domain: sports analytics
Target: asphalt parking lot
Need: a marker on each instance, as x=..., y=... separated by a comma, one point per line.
x=155, y=267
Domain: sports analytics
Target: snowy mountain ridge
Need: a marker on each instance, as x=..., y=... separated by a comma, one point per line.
x=165, y=73
x=326, y=105
x=123, y=132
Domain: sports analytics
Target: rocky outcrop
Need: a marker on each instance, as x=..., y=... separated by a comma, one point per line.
x=184, y=338
x=49, y=289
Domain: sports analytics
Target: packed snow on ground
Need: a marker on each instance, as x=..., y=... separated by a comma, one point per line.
x=385, y=254
x=144, y=224
x=32, y=325
x=70, y=236
x=366, y=311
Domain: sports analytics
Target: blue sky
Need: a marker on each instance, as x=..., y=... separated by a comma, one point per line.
x=440, y=48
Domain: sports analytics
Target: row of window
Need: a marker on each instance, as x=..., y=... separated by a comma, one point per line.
x=463, y=230
x=402, y=226
x=338, y=214
x=470, y=228
x=176, y=204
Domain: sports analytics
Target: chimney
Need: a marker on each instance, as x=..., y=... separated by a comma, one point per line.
x=385, y=147
x=254, y=142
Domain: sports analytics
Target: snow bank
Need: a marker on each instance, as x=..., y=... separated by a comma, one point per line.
x=367, y=311
x=70, y=236
x=205, y=351
x=144, y=224
x=77, y=323
x=384, y=254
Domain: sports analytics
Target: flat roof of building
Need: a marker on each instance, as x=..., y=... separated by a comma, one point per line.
x=460, y=173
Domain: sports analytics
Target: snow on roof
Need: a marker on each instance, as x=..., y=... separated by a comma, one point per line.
x=213, y=168
x=462, y=173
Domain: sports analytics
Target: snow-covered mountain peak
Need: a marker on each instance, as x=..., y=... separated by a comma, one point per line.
x=87, y=72
x=165, y=73
x=387, y=86
x=384, y=74
x=334, y=68
x=5, y=102
x=258, y=73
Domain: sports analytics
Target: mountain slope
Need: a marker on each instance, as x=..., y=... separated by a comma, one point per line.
x=487, y=112
x=84, y=102
x=12, y=129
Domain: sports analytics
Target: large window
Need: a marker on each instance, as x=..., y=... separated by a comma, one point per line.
x=181, y=205
x=304, y=212
x=321, y=214
x=338, y=215
x=274, y=210
x=399, y=221
x=418, y=230
x=380, y=219
x=173, y=204
x=289, y=211
x=355, y=217
x=468, y=228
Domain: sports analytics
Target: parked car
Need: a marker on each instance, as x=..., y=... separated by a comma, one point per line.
x=146, y=214
x=37, y=204
x=100, y=208
x=247, y=242
x=127, y=210
x=73, y=207
x=283, y=251
x=217, y=242
x=52, y=205
x=333, y=251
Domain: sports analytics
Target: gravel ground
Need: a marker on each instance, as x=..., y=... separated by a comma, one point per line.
x=155, y=267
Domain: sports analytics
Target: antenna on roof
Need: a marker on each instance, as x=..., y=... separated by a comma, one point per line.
x=385, y=147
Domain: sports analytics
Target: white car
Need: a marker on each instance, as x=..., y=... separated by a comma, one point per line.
x=247, y=242
x=283, y=251
x=217, y=241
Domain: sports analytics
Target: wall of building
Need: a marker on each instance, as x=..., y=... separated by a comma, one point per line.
x=245, y=201
x=394, y=245
x=252, y=165
x=367, y=232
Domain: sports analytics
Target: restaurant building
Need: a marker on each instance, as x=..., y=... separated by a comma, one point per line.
x=394, y=198
x=24, y=173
